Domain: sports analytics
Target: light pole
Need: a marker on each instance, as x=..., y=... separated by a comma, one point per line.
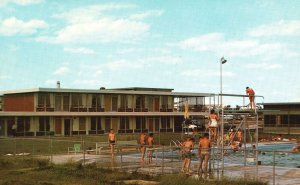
x=222, y=61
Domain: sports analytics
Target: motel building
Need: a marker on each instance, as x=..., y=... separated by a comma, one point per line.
x=282, y=118
x=70, y=112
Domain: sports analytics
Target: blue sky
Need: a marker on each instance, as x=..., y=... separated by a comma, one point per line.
x=152, y=43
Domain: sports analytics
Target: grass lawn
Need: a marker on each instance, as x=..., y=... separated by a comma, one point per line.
x=29, y=171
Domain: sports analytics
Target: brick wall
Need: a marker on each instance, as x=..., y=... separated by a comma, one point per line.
x=19, y=102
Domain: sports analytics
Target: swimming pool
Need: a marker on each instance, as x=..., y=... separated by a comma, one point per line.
x=283, y=156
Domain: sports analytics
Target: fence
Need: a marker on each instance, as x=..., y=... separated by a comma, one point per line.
x=266, y=165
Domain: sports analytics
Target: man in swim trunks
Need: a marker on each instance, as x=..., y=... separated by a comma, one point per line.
x=187, y=148
x=143, y=145
x=250, y=92
x=239, y=135
x=213, y=124
x=150, y=142
x=204, y=153
x=112, y=141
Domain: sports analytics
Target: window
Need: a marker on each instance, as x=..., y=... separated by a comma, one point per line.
x=44, y=124
x=270, y=120
x=66, y=103
x=140, y=102
x=140, y=123
x=76, y=100
x=165, y=122
x=164, y=102
x=294, y=120
x=96, y=123
x=96, y=101
x=124, y=123
x=124, y=101
x=114, y=103
x=44, y=100
x=58, y=106
x=284, y=120
x=23, y=124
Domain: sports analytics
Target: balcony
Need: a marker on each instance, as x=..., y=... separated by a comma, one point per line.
x=44, y=108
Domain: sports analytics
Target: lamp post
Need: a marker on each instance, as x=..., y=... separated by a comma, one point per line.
x=222, y=61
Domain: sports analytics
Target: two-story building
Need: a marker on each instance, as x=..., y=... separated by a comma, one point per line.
x=282, y=118
x=66, y=112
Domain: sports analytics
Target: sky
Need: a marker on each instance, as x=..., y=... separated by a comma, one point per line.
x=88, y=44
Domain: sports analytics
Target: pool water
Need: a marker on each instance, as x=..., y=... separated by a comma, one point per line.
x=283, y=156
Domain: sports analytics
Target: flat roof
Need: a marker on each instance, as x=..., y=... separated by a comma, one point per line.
x=141, y=91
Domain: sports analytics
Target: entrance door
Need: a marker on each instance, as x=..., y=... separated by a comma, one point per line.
x=67, y=127
x=58, y=126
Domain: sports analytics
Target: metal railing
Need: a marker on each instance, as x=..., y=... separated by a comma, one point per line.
x=244, y=163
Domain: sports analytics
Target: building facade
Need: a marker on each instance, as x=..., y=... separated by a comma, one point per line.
x=282, y=118
x=67, y=112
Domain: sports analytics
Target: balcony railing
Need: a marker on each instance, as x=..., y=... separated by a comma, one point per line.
x=89, y=108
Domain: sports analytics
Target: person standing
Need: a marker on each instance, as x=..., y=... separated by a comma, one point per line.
x=187, y=148
x=14, y=129
x=150, y=142
x=112, y=141
x=239, y=135
x=204, y=153
x=213, y=124
x=250, y=92
x=143, y=145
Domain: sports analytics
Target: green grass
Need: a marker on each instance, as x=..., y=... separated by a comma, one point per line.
x=59, y=145
x=28, y=171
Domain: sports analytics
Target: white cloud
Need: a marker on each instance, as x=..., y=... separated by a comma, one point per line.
x=62, y=70
x=123, y=65
x=91, y=13
x=100, y=31
x=14, y=26
x=164, y=59
x=19, y=2
x=50, y=82
x=96, y=24
x=281, y=28
x=205, y=73
x=130, y=50
x=4, y=77
x=216, y=43
x=85, y=51
x=90, y=83
x=263, y=66
x=150, y=13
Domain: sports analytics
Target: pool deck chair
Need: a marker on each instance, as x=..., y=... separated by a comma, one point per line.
x=75, y=149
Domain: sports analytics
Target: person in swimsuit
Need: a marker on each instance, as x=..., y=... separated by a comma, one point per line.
x=204, y=152
x=143, y=145
x=187, y=148
x=239, y=135
x=213, y=124
x=150, y=142
x=250, y=92
x=112, y=141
